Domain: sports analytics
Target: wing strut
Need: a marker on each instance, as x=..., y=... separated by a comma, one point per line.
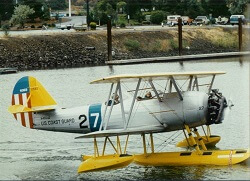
x=190, y=83
x=156, y=93
x=196, y=83
x=111, y=88
x=211, y=84
x=176, y=88
x=121, y=102
x=133, y=101
x=112, y=104
x=170, y=86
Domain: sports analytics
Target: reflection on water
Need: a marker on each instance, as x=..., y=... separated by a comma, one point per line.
x=32, y=154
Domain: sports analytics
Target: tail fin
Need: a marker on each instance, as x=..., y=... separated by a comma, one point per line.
x=29, y=96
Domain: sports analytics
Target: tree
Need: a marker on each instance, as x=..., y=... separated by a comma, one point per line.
x=57, y=4
x=157, y=17
x=103, y=9
x=120, y=6
x=6, y=9
x=79, y=3
x=39, y=6
x=237, y=6
x=194, y=9
x=215, y=7
x=21, y=14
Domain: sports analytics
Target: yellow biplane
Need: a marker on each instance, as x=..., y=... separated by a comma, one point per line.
x=157, y=103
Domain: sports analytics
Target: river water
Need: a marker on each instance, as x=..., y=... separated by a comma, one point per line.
x=33, y=154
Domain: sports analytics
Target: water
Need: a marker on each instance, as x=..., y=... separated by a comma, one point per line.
x=33, y=154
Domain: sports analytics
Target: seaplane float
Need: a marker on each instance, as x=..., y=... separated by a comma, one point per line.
x=181, y=103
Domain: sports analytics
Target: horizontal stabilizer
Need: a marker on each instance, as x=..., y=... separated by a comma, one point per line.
x=130, y=131
x=19, y=109
x=22, y=109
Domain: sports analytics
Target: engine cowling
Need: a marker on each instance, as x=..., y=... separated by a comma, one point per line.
x=216, y=106
x=196, y=109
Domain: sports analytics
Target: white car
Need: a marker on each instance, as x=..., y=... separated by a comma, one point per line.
x=199, y=20
x=234, y=19
x=62, y=27
x=173, y=20
x=221, y=20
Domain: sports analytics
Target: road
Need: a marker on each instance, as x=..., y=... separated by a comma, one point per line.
x=74, y=21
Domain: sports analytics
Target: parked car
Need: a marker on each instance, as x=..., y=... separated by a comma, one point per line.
x=173, y=20
x=62, y=27
x=201, y=20
x=221, y=20
x=186, y=20
x=234, y=19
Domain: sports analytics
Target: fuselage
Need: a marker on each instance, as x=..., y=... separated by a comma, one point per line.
x=171, y=113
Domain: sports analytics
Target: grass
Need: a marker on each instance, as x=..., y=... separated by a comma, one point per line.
x=132, y=45
x=220, y=38
x=174, y=44
x=156, y=42
x=160, y=46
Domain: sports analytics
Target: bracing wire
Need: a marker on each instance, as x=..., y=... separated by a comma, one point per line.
x=184, y=83
x=167, y=143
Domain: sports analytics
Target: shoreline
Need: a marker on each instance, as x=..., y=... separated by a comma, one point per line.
x=80, y=49
x=181, y=58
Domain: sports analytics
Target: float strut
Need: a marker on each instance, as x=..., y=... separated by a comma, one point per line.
x=119, y=150
x=96, y=148
x=152, y=143
x=193, y=140
x=144, y=143
x=104, y=145
x=208, y=131
x=126, y=144
x=200, y=140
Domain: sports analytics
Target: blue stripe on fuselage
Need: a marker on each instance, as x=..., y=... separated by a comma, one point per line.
x=22, y=86
x=95, y=117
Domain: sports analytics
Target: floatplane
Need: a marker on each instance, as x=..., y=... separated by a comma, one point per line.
x=182, y=102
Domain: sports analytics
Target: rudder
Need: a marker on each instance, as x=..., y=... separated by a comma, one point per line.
x=29, y=96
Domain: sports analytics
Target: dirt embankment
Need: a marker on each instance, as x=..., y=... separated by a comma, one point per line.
x=76, y=49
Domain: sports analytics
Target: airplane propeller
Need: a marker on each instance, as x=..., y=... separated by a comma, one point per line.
x=228, y=109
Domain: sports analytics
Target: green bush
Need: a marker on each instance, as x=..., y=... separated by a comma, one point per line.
x=132, y=45
x=92, y=26
x=146, y=23
x=121, y=20
x=122, y=25
x=157, y=17
x=139, y=17
x=212, y=21
x=6, y=29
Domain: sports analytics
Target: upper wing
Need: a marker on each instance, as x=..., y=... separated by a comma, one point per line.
x=130, y=131
x=155, y=76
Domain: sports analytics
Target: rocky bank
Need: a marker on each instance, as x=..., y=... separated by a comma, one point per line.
x=90, y=48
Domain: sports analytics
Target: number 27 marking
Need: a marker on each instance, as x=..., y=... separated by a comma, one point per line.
x=83, y=121
x=96, y=118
